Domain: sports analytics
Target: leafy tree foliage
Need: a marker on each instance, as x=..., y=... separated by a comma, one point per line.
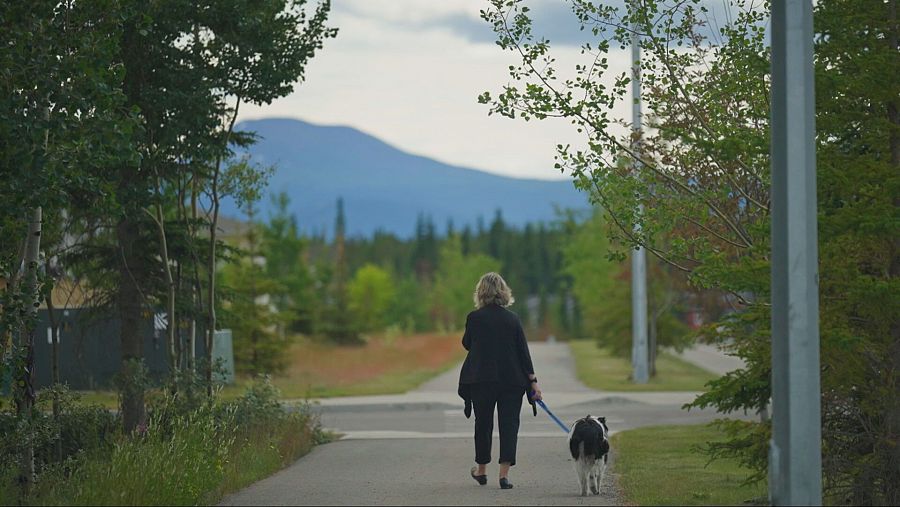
x=602, y=287
x=454, y=282
x=408, y=310
x=531, y=262
x=371, y=293
x=121, y=114
x=702, y=175
x=61, y=121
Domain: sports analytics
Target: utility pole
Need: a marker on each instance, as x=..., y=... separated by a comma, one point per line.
x=639, y=354
x=795, y=454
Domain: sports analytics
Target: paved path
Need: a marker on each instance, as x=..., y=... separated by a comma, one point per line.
x=711, y=358
x=416, y=448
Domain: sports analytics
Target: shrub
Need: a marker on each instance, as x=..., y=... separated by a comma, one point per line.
x=154, y=467
x=76, y=428
x=193, y=449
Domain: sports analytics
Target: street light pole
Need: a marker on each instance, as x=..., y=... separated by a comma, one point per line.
x=639, y=354
x=795, y=454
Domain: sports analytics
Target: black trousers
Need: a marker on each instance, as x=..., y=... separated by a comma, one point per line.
x=508, y=400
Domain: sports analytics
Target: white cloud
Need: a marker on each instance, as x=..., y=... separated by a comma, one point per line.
x=396, y=74
x=409, y=11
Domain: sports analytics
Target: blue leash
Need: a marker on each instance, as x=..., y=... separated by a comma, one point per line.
x=555, y=419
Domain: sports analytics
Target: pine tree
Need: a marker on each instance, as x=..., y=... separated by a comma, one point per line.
x=285, y=251
x=338, y=323
x=466, y=240
x=495, y=236
x=254, y=321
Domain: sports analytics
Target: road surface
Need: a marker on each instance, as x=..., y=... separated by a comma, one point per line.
x=416, y=448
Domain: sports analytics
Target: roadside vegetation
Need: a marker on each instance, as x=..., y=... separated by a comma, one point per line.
x=119, y=143
x=192, y=451
x=600, y=369
x=663, y=465
x=694, y=190
x=385, y=364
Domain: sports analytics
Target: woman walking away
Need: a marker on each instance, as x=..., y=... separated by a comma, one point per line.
x=497, y=372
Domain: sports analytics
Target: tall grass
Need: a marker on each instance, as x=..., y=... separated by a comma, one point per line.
x=183, y=458
x=260, y=453
x=157, y=468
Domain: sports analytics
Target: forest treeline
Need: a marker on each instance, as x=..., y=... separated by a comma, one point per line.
x=344, y=289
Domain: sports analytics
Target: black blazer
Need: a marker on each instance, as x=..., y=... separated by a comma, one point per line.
x=497, y=349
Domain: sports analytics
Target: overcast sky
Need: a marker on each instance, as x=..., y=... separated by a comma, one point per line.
x=409, y=72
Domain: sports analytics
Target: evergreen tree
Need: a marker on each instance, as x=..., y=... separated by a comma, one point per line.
x=339, y=324
x=284, y=250
x=479, y=245
x=466, y=239
x=250, y=313
x=527, y=251
x=496, y=236
x=431, y=244
x=426, y=250
x=543, y=262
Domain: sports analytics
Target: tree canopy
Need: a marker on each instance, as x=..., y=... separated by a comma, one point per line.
x=701, y=173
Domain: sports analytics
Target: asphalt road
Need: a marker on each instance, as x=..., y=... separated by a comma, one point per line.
x=416, y=448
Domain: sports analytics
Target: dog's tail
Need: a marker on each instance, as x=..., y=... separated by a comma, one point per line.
x=576, y=447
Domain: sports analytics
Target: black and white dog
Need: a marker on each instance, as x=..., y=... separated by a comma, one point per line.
x=589, y=444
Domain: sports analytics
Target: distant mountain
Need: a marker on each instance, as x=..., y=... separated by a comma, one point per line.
x=385, y=188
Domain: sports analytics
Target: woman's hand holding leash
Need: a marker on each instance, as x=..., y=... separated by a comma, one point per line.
x=536, y=394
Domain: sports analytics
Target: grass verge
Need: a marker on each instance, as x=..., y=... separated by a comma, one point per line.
x=659, y=466
x=192, y=456
x=384, y=365
x=599, y=369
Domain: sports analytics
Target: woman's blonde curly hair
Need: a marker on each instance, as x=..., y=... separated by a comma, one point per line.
x=492, y=290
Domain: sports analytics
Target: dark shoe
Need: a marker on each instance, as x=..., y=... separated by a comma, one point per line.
x=505, y=484
x=481, y=479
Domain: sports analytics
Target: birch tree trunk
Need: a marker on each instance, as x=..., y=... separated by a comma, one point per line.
x=170, y=293
x=25, y=385
x=211, y=296
x=198, y=288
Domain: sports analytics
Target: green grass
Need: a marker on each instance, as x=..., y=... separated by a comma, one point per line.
x=194, y=459
x=598, y=369
x=105, y=399
x=260, y=454
x=658, y=466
